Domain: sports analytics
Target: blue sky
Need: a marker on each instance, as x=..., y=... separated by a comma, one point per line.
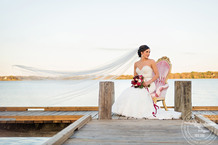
x=81, y=34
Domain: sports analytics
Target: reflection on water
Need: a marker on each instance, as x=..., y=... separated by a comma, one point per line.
x=22, y=140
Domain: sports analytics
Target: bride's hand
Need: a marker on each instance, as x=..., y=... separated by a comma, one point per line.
x=146, y=84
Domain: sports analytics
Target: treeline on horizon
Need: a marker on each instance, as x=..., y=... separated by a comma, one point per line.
x=185, y=75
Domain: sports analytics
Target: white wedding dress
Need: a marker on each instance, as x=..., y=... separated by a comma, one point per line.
x=137, y=103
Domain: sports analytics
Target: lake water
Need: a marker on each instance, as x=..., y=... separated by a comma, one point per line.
x=85, y=93
x=22, y=140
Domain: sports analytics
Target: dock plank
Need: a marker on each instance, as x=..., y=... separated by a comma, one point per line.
x=62, y=136
x=21, y=116
x=117, y=132
x=42, y=119
x=46, y=113
x=82, y=108
x=93, y=114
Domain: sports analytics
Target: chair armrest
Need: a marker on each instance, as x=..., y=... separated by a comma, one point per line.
x=161, y=88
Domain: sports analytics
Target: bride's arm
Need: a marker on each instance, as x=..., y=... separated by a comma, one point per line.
x=154, y=67
x=135, y=69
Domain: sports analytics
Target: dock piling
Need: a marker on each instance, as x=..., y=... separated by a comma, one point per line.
x=183, y=100
x=106, y=99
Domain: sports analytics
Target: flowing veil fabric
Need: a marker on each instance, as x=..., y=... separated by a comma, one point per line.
x=85, y=82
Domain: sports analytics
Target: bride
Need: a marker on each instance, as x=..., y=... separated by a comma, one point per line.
x=136, y=102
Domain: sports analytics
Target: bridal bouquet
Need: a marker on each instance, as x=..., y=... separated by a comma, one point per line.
x=138, y=81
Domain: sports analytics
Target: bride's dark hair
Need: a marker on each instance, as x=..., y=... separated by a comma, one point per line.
x=142, y=48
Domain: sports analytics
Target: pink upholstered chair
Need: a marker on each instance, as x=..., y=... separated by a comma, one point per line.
x=164, y=68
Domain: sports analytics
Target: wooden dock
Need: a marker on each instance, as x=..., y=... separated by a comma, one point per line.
x=70, y=114
x=44, y=117
x=44, y=114
x=120, y=130
x=123, y=131
x=130, y=132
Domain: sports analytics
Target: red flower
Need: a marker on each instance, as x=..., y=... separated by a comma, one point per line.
x=138, y=81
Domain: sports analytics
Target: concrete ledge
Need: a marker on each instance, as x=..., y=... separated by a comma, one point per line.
x=63, y=135
x=213, y=127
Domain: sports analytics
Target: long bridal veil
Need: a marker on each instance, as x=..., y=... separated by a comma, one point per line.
x=82, y=89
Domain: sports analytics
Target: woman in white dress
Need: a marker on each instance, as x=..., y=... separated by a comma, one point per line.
x=136, y=102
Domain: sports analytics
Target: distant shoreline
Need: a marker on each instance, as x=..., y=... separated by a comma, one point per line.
x=185, y=75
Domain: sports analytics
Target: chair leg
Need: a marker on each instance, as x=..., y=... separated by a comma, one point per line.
x=155, y=100
x=164, y=104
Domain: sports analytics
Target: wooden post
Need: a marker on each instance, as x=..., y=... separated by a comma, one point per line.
x=183, y=100
x=106, y=99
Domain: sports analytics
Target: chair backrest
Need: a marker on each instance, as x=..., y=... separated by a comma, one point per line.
x=164, y=67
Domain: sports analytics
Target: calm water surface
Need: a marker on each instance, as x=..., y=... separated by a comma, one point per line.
x=85, y=93
x=22, y=140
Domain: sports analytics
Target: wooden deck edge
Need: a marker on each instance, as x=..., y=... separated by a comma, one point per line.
x=213, y=118
x=63, y=135
x=40, y=119
x=90, y=108
x=205, y=108
x=82, y=108
x=200, y=108
x=213, y=127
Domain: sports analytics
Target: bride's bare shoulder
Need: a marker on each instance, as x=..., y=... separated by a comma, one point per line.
x=152, y=61
x=136, y=63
